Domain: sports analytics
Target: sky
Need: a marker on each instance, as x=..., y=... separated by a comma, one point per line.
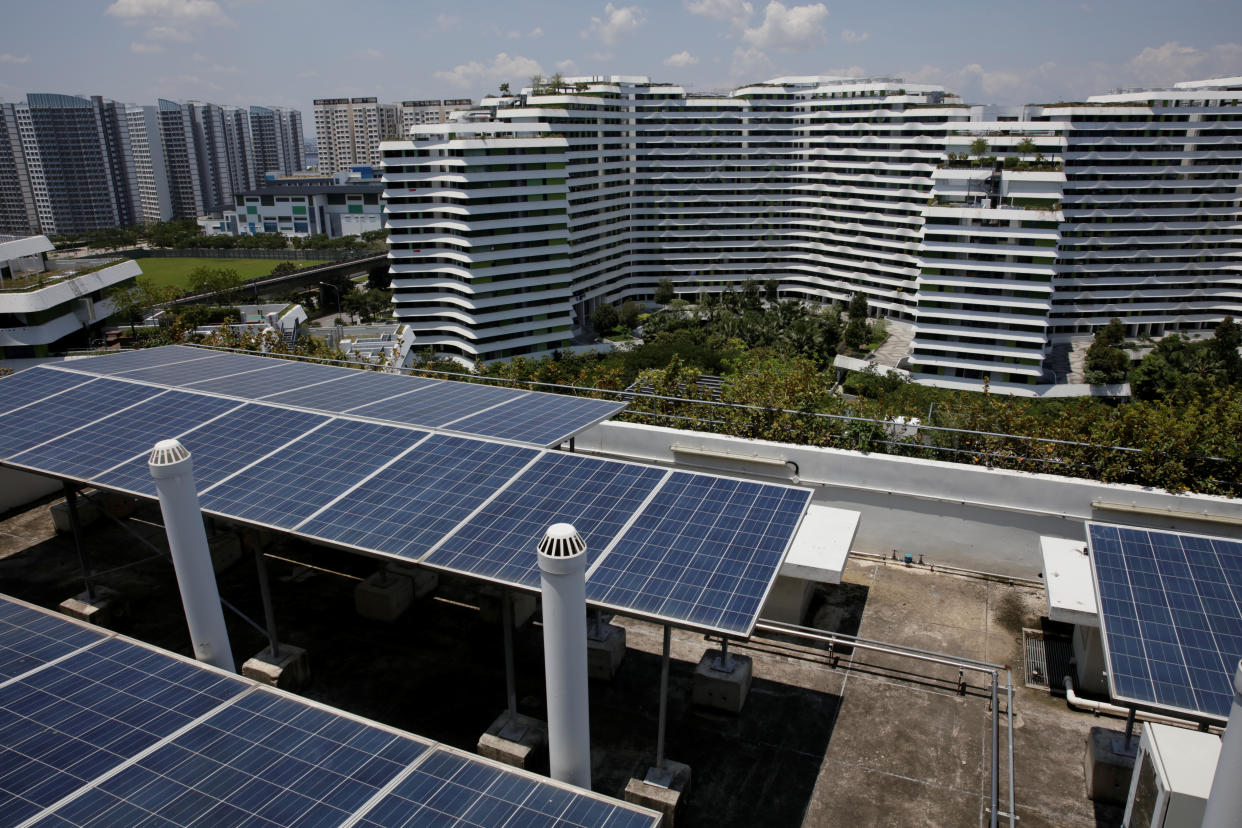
x=287, y=53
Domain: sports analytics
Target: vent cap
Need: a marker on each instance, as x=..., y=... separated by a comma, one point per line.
x=562, y=541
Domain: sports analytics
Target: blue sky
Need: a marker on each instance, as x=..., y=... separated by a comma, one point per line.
x=286, y=53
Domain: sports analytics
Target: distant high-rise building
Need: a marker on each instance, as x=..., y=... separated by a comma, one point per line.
x=276, y=133
x=67, y=159
x=349, y=131
x=415, y=113
x=150, y=169
x=18, y=216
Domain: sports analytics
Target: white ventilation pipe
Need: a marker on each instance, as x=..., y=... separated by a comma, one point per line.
x=562, y=569
x=173, y=470
x=1224, y=805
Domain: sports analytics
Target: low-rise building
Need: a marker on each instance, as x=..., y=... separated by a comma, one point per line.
x=46, y=307
x=300, y=207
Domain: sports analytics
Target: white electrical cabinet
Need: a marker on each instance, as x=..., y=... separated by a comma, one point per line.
x=1172, y=778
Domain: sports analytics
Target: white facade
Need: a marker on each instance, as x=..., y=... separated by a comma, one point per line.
x=418, y=113
x=349, y=131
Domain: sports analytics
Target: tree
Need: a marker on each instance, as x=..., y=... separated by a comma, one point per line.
x=751, y=295
x=629, y=313
x=284, y=269
x=1225, y=345
x=556, y=82
x=771, y=291
x=1106, y=364
x=858, y=308
x=225, y=283
x=132, y=304
x=1024, y=147
x=979, y=148
x=369, y=304
x=855, y=335
x=504, y=90
x=605, y=319
x=536, y=83
x=664, y=292
x=1112, y=334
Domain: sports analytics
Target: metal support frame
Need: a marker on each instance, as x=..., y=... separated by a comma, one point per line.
x=269, y=614
x=724, y=661
x=512, y=730
x=1129, y=729
x=71, y=500
x=659, y=774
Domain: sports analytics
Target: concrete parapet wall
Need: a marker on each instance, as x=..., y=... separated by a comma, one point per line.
x=965, y=516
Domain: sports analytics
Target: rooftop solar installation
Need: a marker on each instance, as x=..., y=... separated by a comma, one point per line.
x=99, y=730
x=31, y=386
x=694, y=550
x=467, y=408
x=30, y=638
x=1171, y=616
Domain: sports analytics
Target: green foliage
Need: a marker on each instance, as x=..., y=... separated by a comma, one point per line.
x=284, y=269
x=856, y=333
x=134, y=302
x=771, y=291
x=979, y=147
x=874, y=385
x=224, y=283
x=858, y=306
x=664, y=292
x=369, y=304
x=1025, y=147
x=1106, y=363
x=629, y=313
x=604, y=319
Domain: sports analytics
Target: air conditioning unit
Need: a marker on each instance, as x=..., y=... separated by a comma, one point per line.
x=1172, y=778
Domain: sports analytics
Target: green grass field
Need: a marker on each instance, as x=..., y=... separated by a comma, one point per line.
x=177, y=271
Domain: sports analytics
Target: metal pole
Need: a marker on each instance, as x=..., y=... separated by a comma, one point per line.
x=668, y=641
x=1129, y=727
x=71, y=500
x=1013, y=818
x=506, y=623
x=269, y=614
x=995, y=754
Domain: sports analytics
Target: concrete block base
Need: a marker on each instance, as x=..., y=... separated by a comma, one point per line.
x=101, y=612
x=226, y=550
x=662, y=790
x=383, y=597
x=88, y=513
x=1108, y=765
x=789, y=600
x=719, y=688
x=517, y=740
x=290, y=670
x=604, y=653
x=425, y=581
x=490, y=602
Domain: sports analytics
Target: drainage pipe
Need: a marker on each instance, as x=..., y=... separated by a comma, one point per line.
x=1092, y=706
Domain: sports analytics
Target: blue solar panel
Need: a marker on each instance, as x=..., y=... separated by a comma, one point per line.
x=72, y=721
x=285, y=376
x=596, y=496
x=265, y=760
x=221, y=447
x=35, y=384
x=541, y=419
x=703, y=552
x=186, y=373
x=43, y=421
x=439, y=405
x=420, y=498
x=451, y=789
x=1171, y=614
x=360, y=388
x=100, y=446
x=309, y=473
x=130, y=360
x=29, y=638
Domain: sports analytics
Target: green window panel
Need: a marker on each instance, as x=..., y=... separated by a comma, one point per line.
x=299, y=211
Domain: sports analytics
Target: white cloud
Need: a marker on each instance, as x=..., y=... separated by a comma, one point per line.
x=735, y=12
x=750, y=65
x=616, y=25
x=145, y=48
x=5, y=57
x=681, y=59
x=566, y=66
x=1173, y=62
x=168, y=33
x=502, y=68
x=535, y=33
x=793, y=28
x=188, y=11
x=448, y=21
x=851, y=36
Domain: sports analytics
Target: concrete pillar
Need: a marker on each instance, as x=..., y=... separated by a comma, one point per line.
x=172, y=468
x=1224, y=805
x=562, y=569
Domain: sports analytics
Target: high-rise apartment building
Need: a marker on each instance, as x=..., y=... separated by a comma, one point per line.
x=277, y=137
x=556, y=202
x=18, y=215
x=417, y=113
x=349, y=131
x=150, y=170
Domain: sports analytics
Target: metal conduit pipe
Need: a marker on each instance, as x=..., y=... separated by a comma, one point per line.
x=1091, y=705
x=991, y=670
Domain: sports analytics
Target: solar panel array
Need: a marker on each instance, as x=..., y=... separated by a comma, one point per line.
x=1171, y=616
x=698, y=551
x=100, y=730
x=481, y=410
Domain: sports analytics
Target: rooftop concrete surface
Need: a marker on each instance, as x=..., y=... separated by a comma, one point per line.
x=868, y=739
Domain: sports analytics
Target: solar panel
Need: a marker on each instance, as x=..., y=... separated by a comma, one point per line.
x=1171, y=616
x=449, y=788
x=35, y=384
x=420, y=498
x=122, y=361
x=71, y=721
x=538, y=418
x=122, y=734
x=100, y=446
x=597, y=496
x=29, y=638
x=703, y=552
x=359, y=389
x=221, y=447
x=284, y=376
x=309, y=473
x=182, y=374
x=439, y=405
x=42, y=421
